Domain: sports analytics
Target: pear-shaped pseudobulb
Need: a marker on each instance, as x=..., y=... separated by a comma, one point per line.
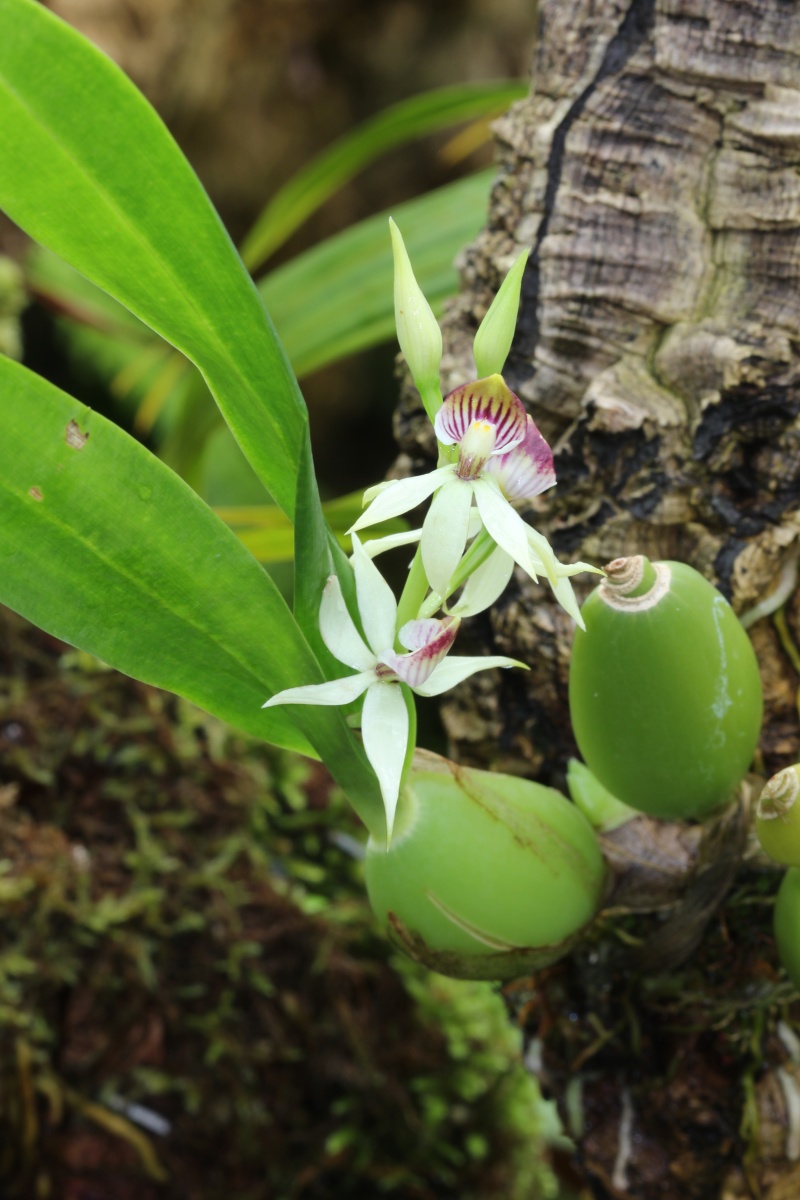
x=487, y=876
x=664, y=689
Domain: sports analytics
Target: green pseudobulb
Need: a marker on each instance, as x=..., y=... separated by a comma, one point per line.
x=664, y=689
x=487, y=876
x=787, y=924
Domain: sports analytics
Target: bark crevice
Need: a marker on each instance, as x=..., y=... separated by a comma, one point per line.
x=632, y=31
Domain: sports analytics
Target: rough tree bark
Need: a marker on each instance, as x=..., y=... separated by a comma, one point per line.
x=655, y=171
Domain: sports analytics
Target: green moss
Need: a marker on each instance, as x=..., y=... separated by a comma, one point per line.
x=183, y=927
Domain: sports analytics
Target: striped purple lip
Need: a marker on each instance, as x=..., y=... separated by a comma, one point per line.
x=428, y=640
x=485, y=400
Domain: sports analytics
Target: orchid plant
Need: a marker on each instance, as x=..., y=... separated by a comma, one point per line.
x=491, y=455
x=108, y=549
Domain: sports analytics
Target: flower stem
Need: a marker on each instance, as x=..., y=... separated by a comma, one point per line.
x=431, y=395
x=475, y=557
x=477, y=554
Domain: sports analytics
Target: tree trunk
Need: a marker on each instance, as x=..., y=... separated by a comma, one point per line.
x=655, y=171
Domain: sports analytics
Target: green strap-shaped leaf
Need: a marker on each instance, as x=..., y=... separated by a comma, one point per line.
x=332, y=300
x=338, y=297
x=313, y=563
x=89, y=170
x=393, y=127
x=104, y=546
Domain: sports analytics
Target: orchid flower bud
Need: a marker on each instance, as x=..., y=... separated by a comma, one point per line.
x=778, y=817
x=664, y=690
x=487, y=876
x=496, y=332
x=418, y=330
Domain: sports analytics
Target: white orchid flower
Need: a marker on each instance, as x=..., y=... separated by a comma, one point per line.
x=520, y=474
x=384, y=718
x=483, y=419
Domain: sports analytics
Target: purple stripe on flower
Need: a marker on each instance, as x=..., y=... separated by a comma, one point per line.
x=416, y=634
x=527, y=469
x=431, y=640
x=485, y=400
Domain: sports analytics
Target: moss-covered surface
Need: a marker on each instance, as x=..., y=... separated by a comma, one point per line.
x=183, y=928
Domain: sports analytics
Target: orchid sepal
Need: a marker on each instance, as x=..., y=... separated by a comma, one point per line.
x=335, y=692
x=400, y=496
x=384, y=730
x=455, y=670
x=485, y=585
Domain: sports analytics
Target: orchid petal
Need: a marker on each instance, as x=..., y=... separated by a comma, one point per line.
x=541, y=549
x=376, y=603
x=558, y=574
x=401, y=496
x=489, y=400
x=375, y=490
x=542, y=555
x=485, y=584
x=338, y=629
x=475, y=523
x=384, y=728
x=338, y=691
x=444, y=532
x=565, y=596
x=577, y=568
x=503, y=524
x=435, y=639
x=376, y=546
x=456, y=670
x=526, y=469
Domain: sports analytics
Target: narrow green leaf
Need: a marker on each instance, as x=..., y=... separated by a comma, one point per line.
x=317, y=555
x=104, y=546
x=403, y=122
x=268, y=545
x=338, y=297
x=70, y=294
x=313, y=563
x=333, y=300
x=88, y=169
